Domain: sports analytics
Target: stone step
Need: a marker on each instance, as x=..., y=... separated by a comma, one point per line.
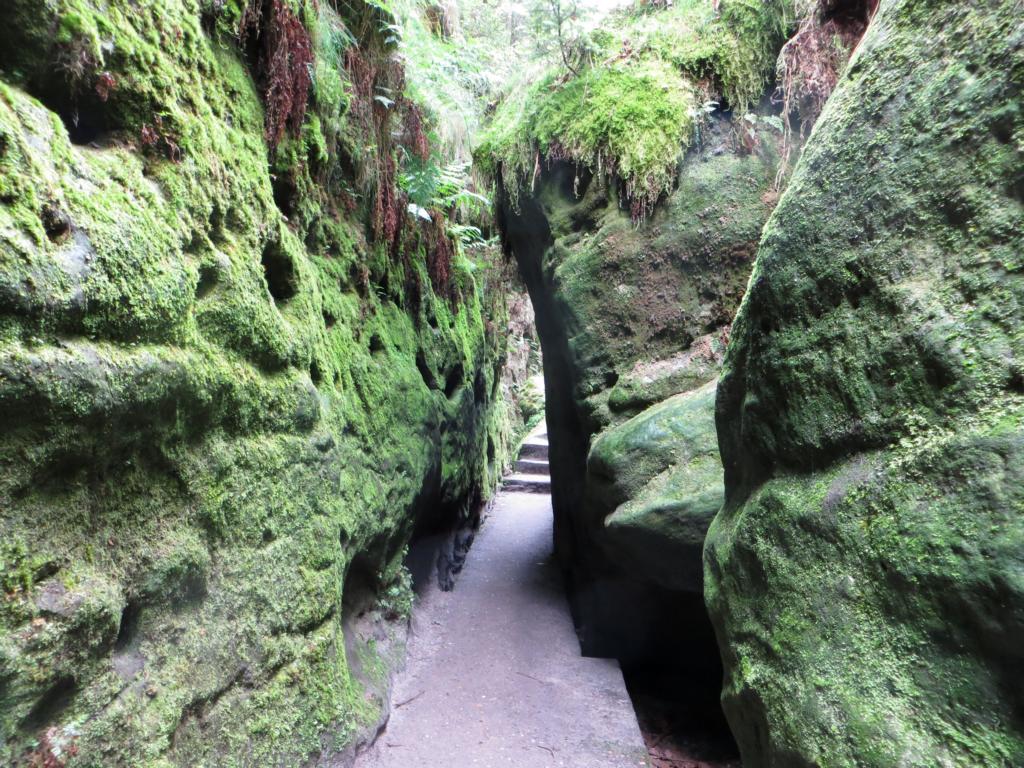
x=533, y=467
x=527, y=483
x=534, y=449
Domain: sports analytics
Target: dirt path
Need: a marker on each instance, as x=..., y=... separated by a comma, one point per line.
x=495, y=678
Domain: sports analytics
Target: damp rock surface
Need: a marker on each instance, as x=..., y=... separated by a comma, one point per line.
x=864, y=575
x=228, y=396
x=655, y=483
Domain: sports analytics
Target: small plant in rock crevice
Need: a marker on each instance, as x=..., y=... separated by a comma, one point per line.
x=56, y=747
x=78, y=53
x=440, y=200
x=813, y=59
x=396, y=599
x=157, y=138
x=105, y=84
x=439, y=253
x=747, y=133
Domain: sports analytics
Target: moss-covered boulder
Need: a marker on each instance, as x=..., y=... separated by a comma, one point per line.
x=865, y=573
x=652, y=304
x=654, y=483
x=227, y=399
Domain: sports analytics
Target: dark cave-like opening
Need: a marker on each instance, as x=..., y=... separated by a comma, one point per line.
x=676, y=687
x=279, y=272
x=665, y=644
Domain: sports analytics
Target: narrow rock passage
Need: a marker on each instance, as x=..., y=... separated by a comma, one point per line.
x=494, y=675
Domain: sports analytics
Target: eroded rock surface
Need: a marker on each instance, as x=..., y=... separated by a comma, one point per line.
x=654, y=483
x=634, y=300
x=632, y=316
x=865, y=574
x=229, y=392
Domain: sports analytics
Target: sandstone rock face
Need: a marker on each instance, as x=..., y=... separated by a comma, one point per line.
x=866, y=574
x=225, y=405
x=630, y=316
x=633, y=206
x=654, y=483
x=632, y=195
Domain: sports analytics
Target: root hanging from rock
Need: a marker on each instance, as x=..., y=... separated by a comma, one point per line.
x=812, y=61
x=284, y=63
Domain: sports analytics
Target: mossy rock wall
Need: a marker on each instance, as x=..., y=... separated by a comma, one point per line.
x=220, y=421
x=630, y=315
x=865, y=573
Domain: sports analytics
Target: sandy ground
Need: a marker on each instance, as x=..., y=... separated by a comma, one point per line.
x=494, y=675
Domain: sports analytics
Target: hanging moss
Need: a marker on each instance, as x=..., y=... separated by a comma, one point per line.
x=633, y=112
x=734, y=48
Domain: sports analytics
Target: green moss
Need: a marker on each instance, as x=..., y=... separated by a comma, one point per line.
x=869, y=596
x=864, y=574
x=633, y=112
x=210, y=413
x=637, y=120
x=654, y=483
x=650, y=382
x=735, y=47
x=860, y=376
x=668, y=282
x=633, y=120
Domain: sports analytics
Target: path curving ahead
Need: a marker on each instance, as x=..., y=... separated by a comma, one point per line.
x=494, y=677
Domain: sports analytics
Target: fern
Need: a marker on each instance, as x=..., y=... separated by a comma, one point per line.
x=465, y=234
x=431, y=185
x=421, y=179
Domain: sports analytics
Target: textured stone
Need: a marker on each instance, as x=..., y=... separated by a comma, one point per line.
x=865, y=573
x=654, y=483
x=221, y=422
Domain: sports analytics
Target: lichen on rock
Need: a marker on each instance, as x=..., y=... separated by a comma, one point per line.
x=864, y=573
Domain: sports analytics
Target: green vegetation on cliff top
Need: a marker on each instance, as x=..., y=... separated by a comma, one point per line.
x=644, y=84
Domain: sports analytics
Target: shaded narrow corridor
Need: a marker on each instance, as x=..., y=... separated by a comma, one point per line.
x=495, y=677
